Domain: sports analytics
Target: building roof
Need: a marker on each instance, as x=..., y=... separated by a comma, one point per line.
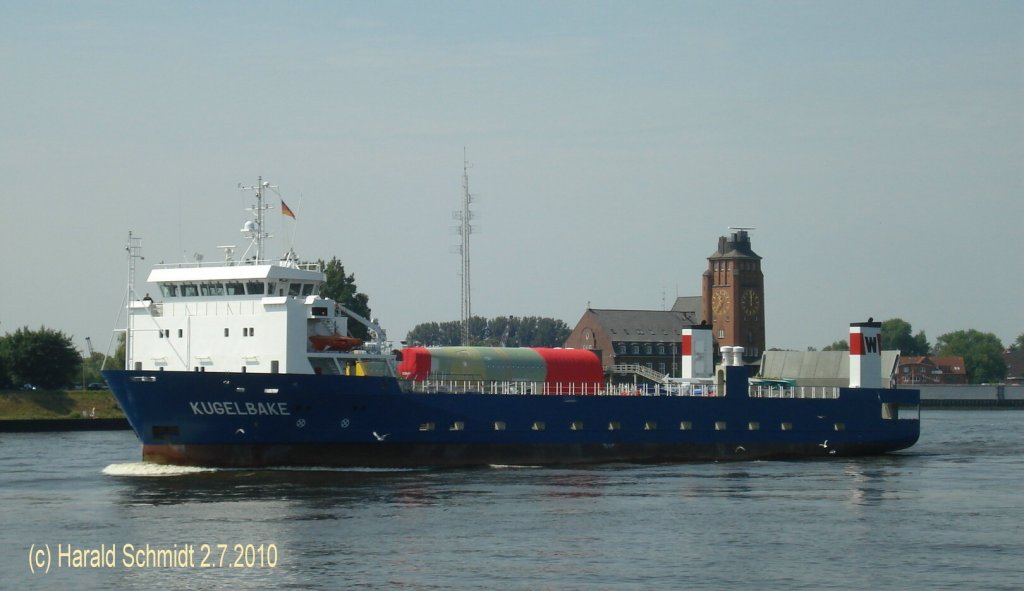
x=948, y=365
x=642, y=325
x=691, y=306
x=737, y=246
x=819, y=368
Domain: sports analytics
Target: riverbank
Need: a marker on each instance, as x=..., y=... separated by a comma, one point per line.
x=60, y=410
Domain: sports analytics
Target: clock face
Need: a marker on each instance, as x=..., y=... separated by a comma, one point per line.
x=720, y=303
x=750, y=301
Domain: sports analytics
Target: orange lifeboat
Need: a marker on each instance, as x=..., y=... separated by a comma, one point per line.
x=334, y=343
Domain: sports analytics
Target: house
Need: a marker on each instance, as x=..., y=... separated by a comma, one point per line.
x=1014, y=360
x=932, y=370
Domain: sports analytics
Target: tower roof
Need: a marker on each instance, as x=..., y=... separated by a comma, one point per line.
x=737, y=246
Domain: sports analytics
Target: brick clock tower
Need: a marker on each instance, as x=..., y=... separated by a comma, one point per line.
x=733, y=295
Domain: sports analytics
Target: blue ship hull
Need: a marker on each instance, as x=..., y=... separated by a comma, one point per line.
x=253, y=420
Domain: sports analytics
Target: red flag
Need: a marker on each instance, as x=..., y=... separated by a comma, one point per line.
x=287, y=210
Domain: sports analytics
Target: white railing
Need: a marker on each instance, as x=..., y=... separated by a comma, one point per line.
x=549, y=389
x=820, y=392
x=637, y=369
x=605, y=389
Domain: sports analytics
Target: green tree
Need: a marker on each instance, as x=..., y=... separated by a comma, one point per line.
x=838, y=346
x=5, y=378
x=982, y=353
x=510, y=331
x=90, y=372
x=45, y=358
x=342, y=289
x=1018, y=344
x=117, y=361
x=896, y=334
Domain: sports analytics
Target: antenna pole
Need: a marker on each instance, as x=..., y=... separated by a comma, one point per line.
x=465, y=229
x=257, y=234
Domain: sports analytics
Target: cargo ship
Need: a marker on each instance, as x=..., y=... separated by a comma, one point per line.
x=243, y=363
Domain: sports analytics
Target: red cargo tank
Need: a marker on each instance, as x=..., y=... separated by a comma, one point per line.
x=573, y=368
x=415, y=364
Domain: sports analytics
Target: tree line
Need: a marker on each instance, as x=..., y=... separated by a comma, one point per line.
x=982, y=352
x=45, y=359
x=500, y=331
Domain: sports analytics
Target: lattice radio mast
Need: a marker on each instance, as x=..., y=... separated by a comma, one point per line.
x=465, y=229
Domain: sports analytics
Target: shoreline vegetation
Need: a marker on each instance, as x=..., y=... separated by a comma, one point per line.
x=36, y=405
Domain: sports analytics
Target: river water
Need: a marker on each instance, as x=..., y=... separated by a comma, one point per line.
x=945, y=514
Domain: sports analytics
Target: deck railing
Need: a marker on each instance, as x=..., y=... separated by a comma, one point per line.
x=604, y=389
x=548, y=389
x=821, y=392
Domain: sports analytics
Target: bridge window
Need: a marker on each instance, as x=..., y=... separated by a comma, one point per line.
x=685, y=425
x=427, y=426
x=294, y=289
x=576, y=425
x=457, y=426
x=720, y=425
x=839, y=426
x=189, y=290
x=787, y=426
x=538, y=426
x=499, y=425
x=650, y=425
x=255, y=288
x=753, y=426
x=614, y=425
x=169, y=290
x=234, y=288
x=211, y=289
x=307, y=289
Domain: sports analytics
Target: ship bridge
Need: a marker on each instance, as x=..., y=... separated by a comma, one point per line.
x=199, y=281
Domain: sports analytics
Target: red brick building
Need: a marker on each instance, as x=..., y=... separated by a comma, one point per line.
x=931, y=370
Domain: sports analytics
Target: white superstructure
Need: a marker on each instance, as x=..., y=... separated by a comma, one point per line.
x=248, y=316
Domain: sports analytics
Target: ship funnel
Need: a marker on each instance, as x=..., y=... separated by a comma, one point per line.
x=866, y=354
x=698, y=352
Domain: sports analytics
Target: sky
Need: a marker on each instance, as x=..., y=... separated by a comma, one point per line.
x=877, y=148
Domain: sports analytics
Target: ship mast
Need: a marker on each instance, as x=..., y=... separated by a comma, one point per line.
x=134, y=249
x=254, y=228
